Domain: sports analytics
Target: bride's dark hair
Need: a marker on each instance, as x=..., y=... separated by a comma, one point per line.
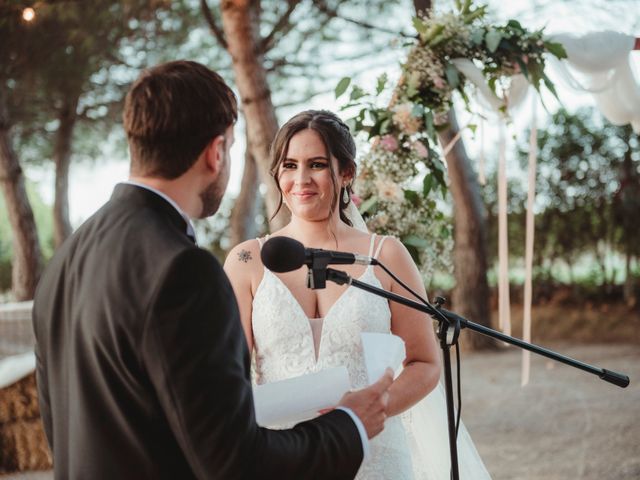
x=337, y=139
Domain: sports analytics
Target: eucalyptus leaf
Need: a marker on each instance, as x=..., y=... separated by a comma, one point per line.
x=414, y=252
x=419, y=25
x=492, y=39
x=427, y=184
x=556, y=49
x=432, y=32
x=549, y=84
x=381, y=83
x=356, y=93
x=417, y=110
x=516, y=26
x=453, y=79
x=438, y=39
x=384, y=126
x=412, y=196
x=428, y=122
x=535, y=70
x=368, y=205
x=412, y=84
x=415, y=241
x=477, y=13
x=492, y=84
x=342, y=86
x=477, y=35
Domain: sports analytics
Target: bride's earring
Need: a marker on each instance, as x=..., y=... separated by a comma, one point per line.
x=345, y=194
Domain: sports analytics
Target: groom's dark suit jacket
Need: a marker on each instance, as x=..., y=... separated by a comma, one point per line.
x=142, y=365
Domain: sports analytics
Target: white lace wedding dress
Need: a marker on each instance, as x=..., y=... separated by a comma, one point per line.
x=413, y=445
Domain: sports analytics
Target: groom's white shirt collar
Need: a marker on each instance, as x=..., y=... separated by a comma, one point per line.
x=190, y=230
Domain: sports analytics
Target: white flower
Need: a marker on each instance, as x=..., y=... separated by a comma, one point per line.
x=389, y=190
x=403, y=117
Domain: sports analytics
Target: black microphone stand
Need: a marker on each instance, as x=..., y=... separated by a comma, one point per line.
x=450, y=325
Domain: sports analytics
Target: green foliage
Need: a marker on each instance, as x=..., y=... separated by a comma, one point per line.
x=342, y=86
x=68, y=55
x=44, y=223
x=587, y=196
x=404, y=150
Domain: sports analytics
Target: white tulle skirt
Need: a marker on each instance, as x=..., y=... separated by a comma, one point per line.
x=428, y=437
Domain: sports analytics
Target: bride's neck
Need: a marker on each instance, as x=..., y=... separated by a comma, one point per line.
x=318, y=234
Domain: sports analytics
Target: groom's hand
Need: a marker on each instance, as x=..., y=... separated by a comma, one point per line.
x=370, y=403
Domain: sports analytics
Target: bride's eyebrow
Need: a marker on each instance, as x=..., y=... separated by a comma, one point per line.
x=310, y=159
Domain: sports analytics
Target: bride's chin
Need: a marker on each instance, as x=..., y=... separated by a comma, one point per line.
x=310, y=215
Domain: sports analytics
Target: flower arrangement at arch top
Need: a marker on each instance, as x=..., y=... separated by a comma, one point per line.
x=402, y=173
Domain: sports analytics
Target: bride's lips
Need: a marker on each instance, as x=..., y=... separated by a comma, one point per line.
x=304, y=195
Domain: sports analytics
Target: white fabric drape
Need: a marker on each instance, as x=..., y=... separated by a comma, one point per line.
x=504, y=311
x=603, y=61
x=528, y=277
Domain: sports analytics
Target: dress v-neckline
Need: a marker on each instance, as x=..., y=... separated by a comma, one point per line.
x=316, y=358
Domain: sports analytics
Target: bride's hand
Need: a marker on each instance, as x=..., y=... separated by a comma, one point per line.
x=370, y=404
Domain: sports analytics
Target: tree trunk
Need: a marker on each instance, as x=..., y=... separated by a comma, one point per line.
x=243, y=215
x=470, y=295
x=62, y=159
x=27, y=258
x=241, y=22
x=421, y=6
x=629, y=284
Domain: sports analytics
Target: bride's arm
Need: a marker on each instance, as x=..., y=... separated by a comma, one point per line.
x=422, y=364
x=240, y=266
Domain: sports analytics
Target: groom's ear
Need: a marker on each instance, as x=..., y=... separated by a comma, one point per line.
x=214, y=154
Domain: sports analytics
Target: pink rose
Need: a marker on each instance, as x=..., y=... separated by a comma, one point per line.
x=439, y=83
x=357, y=201
x=389, y=143
x=420, y=149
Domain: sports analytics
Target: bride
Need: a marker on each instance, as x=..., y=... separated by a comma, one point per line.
x=293, y=330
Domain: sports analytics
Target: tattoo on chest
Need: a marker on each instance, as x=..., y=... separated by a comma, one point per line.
x=244, y=256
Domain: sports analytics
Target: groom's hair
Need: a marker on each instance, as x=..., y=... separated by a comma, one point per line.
x=171, y=114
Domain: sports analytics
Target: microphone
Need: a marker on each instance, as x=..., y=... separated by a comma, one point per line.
x=284, y=254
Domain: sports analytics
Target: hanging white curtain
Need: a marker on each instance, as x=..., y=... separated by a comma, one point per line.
x=528, y=256
x=603, y=62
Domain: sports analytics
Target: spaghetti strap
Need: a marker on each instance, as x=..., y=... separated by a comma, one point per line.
x=382, y=239
x=261, y=241
x=373, y=238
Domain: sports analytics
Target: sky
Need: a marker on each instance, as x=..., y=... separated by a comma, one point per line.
x=91, y=185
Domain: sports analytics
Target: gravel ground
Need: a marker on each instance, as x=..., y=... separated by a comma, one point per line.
x=566, y=424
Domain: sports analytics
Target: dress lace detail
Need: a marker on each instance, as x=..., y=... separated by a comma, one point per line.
x=284, y=348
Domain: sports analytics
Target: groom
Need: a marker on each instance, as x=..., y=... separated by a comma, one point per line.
x=142, y=366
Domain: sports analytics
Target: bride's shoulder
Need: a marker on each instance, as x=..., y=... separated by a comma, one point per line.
x=391, y=248
x=244, y=257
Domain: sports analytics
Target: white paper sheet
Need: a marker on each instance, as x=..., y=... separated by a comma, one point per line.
x=382, y=351
x=300, y=398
